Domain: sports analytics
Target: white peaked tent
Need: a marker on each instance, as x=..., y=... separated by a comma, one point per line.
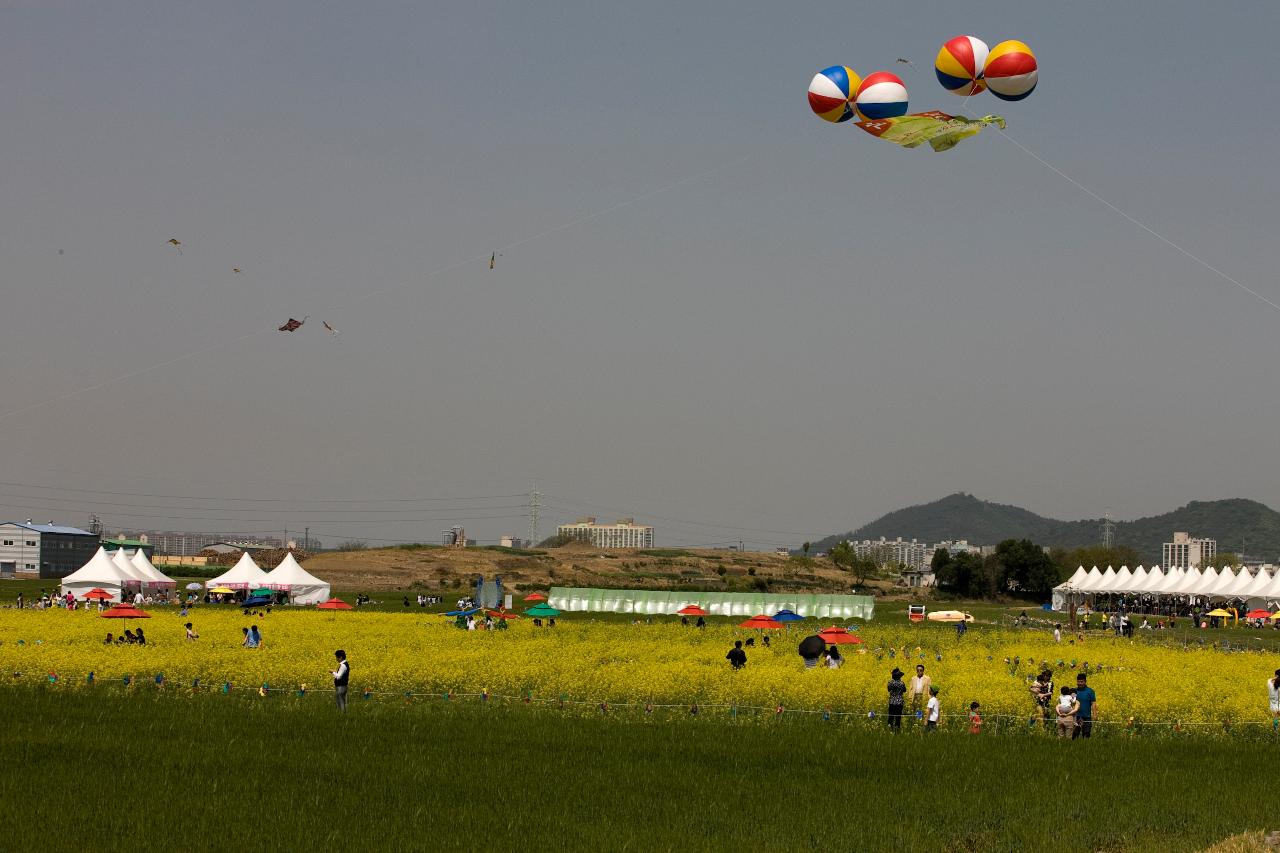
x=1075, y=580
x=1192, y=581
x=243, y=575
x=1243, y=581
x=1107, y=579
x=1172, y=577
x=302, y=586
x=136, y=578
x=1256, y=591
x=1226, y=580
x=1272, y=592
x=99, y=572
x=1137, y=583
x=155, y=577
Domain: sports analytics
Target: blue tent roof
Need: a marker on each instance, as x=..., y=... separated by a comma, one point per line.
x=787, y=616
x=470, y=612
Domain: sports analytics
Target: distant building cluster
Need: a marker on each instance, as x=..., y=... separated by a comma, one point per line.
x=48, y=550
x=913, y=557
x=181, y=543
x=1184, y=552
x=624, y=533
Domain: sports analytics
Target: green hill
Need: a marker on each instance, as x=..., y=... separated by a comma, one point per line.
x=963, y=516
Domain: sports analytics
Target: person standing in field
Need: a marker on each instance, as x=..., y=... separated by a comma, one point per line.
x=1042, y=692
x=341, y=675
x=975, y=718
x=920, y=684
x=1273, y=692
x=191, y=632
x=932, y=711
x=897, y=699
x=1087, y=701
x=1057, y=633
x=1066, y=710
x=737, y=657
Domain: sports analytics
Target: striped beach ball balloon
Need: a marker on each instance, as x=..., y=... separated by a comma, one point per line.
x=831, y=93
x=959, y=65
x=881, y=95
x=1011, y=71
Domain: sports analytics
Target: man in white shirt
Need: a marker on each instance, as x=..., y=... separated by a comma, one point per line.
x=933, y=710
x=340, y=677
x=919, y=686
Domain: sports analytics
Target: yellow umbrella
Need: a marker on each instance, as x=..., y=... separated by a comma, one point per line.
x=222, y=590
x=1275, y=615
x=1218, y=612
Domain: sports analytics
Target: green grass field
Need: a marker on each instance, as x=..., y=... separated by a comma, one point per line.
x=108, y=769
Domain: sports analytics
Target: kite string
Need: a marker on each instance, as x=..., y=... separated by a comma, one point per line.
x=124, y=377
x=1163, y=239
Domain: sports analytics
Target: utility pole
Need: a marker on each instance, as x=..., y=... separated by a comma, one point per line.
x=535, y=510
x=306, y=539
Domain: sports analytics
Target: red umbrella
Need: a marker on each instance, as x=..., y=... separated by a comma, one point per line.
x=333, y=604
x=1258, y=614
x=760, y=621
x=97, y=593
x=502, y=614
x=535, y=596
x=692, y=610
x=837, y=636
x=125, y=611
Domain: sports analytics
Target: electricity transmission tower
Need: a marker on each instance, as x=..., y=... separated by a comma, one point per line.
x=535, y=510
x=1108, y=530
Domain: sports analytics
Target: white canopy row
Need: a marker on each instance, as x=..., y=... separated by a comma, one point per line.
x=115, y=572
x=289, y=576
x=1210, y=583
x=112, y=574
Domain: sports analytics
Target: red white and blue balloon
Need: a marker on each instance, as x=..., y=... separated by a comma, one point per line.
x=881, y=95
x=831, y=93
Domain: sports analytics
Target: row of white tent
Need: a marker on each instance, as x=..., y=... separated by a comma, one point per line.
x=1258, y=588
x=302, y=586
x=116, y=573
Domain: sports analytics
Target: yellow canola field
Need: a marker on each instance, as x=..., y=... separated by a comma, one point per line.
x=618, y=662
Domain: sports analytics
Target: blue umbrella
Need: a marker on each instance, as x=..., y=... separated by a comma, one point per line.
x=470, y=612
x=787, y=616
x=257, y=601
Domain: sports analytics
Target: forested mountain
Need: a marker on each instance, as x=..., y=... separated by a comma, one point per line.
x=1235, y=523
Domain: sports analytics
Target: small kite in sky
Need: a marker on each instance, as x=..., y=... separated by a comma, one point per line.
x=176, y=243
x=330, y=329
x=293, y=324
x=907, y=62
x=236, y=270
x=492, y=258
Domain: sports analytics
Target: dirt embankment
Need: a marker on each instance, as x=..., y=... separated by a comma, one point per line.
x=438, y=568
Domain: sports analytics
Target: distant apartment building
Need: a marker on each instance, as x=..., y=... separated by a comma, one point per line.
x=180, y=543
x=513, y=542
x=43, y=550
x=895, y=552
x=1185, y=552
x=625, y=533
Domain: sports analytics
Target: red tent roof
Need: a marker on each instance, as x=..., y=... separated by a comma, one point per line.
x=692, y=610
x=333, y=604
x=535, y=596
x=760, y=621
x=96, y=593
x=125, y=611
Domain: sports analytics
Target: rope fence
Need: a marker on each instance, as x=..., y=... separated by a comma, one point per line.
x=912, y=719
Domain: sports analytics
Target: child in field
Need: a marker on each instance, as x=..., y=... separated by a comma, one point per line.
x=975, y=718
x=1066, y=710
x=933, y=710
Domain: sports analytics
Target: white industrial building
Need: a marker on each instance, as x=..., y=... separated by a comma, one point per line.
x=43, y=550
x=1189, y=552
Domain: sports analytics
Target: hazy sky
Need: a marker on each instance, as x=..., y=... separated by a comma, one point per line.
x=786, y=329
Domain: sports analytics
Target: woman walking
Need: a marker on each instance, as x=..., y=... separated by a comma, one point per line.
x=897, y=698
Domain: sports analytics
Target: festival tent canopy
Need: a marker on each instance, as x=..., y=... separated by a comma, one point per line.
x=1258, y=586
x=1137, y=583
x=1226, y=580
x=1190, y=582
x=303, y=587
x=1172, y=577
x=100, y=572
x=1242, y=582
x=1272, y=591
x=127, y=568
x=242, y=575
x=741, y=604
x=154, y=576
x=1075, y=580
